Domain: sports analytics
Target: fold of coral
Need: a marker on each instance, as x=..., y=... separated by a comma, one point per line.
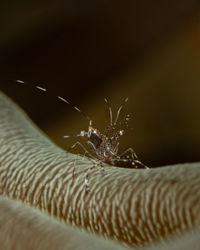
x=134, y=207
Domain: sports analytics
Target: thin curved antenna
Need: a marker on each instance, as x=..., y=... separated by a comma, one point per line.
x=58, y=97
x=119, y=110
x=71, y=136
x=77, y=109
x=110, y=110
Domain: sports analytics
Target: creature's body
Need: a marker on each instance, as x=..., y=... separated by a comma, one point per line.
x=103, y=147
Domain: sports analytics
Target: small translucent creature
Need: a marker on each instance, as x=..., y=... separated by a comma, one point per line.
x=103, y=147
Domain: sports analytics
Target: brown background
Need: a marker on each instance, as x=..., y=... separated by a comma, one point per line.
x=88, y=50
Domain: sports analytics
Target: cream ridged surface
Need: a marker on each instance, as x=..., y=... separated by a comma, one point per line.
x=25, y=228
x=132, y=206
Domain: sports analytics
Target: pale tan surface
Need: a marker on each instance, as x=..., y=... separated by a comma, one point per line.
x=28, y=229
x=132, y=206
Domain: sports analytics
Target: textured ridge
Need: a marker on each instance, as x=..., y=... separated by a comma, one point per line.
x=132, y=206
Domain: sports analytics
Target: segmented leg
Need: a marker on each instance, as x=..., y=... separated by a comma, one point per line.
x=134, y=163
x=92, y=158
x=100, y=162
x=87, y=186
x=133, y=154
x=85, y=150
x=133, y=159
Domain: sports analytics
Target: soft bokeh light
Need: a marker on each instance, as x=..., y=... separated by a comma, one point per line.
x=148, y=51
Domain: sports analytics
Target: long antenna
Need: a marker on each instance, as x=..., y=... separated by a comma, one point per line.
x=110, y=110
x=58, y=97
x=119, y=110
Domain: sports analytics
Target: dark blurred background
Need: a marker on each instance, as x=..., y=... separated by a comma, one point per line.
x=148, y=51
